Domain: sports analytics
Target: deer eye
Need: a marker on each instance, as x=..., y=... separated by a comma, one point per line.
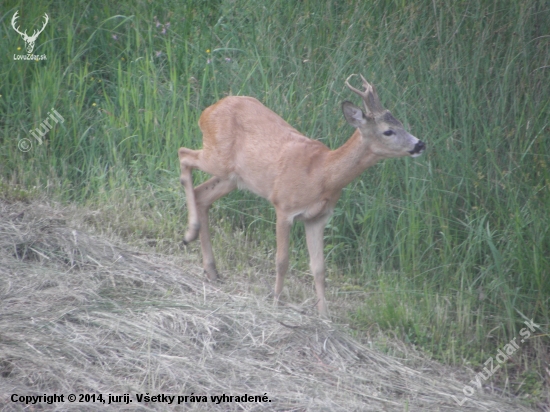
x=389, y=132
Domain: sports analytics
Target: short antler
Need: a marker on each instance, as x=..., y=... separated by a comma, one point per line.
x=370, y=97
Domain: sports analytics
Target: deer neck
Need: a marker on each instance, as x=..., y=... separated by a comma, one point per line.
x=349, y=161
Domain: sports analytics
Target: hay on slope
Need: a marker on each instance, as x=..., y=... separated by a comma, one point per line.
x=81, y=315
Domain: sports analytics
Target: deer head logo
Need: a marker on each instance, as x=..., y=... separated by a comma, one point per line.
x=29, y=40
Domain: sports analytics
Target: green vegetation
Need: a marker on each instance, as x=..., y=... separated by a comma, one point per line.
x=453, y=247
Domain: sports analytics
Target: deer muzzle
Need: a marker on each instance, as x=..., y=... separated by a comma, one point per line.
x=419, y=147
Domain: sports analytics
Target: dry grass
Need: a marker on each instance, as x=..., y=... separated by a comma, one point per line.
x=81, y=315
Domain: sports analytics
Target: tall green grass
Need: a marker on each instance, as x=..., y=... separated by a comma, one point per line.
x=455, y=244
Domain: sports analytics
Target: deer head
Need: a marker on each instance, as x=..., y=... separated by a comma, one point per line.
x=386, y=134
x=29, y=40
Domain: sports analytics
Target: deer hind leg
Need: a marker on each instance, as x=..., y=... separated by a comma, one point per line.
x=199, y=200
x=206, y=194
x=188, y=162
x=314, y=238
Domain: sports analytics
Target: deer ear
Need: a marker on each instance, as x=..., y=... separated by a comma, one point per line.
x=354, y=115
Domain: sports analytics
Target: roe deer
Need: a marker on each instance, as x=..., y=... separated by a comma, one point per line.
x=246, y=145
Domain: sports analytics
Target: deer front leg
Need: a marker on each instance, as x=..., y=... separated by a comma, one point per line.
x=314, y=238
x=283, y=238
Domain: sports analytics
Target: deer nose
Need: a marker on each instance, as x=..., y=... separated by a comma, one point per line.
x=419, y=147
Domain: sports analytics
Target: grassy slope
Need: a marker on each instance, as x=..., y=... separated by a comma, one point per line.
x=452, y=247
x=82, y=314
